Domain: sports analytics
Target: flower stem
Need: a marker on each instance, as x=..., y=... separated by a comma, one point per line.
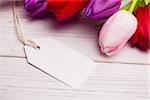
x=126, y=7
x=132, y=6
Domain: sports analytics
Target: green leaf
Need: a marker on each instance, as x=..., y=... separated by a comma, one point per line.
x=147, y=2
x=126, y=7
x=140, y=3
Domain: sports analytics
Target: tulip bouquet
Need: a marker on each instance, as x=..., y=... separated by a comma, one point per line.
x=123, y=26
x=129, y=23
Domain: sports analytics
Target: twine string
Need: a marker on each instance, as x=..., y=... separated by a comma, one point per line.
x=25, y=40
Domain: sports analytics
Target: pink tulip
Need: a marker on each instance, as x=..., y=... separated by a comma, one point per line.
x=116, y=32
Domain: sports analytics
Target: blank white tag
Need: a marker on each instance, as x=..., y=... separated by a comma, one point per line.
x=60, y=61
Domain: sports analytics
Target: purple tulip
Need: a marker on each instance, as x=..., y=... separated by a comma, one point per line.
x=36, y=7
x=102, y=9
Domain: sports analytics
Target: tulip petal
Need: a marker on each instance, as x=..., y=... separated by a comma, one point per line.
x=36, y=7
x=117, y=30
x=141, y=38
x=65, y=9
x=102, y=9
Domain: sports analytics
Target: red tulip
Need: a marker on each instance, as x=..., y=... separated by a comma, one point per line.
x=141, y=38
x=64, y=9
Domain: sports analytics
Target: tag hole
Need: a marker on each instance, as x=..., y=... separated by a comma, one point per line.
x=38, y=48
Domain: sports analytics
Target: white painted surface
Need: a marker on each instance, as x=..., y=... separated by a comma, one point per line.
x=112, y=80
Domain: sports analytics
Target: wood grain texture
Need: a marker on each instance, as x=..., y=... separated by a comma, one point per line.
x=19, y=80
x=9, y=44
x=112, y=80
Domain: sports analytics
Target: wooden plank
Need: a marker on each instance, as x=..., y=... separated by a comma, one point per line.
x=79, y=34
x=19, y=80
x=9, y=44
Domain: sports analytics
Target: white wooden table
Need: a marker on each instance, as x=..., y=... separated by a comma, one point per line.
x=121, y=77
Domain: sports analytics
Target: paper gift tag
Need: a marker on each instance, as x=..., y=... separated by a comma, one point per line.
x=60, y=61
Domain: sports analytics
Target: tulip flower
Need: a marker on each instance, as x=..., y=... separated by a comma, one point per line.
x=102, y=9
x=141, y=38
x=64, y=9
x=36, y=7
x=117, y=30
